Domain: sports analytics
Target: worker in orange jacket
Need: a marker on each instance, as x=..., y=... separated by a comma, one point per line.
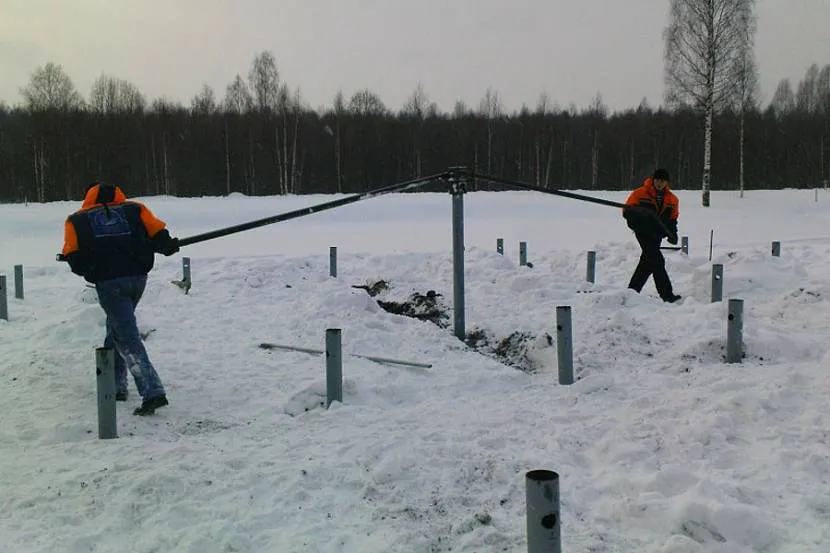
x=651, y=212
x=112, y=242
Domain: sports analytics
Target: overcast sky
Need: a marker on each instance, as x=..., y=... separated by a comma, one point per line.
x=456, y=49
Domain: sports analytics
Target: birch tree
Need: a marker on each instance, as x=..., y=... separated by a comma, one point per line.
x=598, y=113
x=746, y=77
x=50, y=88
x=491, y=109
x=824, y=90
x=339, y=105
x=204, y=102
x=417, y=108
x=703, y=40
x=823, y=109
x=366, y=103
x=237, y=97
x=807, y=95
x=113, y=95
x=783, y=100
x=264, y=82
x=49, y=95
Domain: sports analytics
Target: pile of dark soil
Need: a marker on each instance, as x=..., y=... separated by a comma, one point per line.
x=512, y=350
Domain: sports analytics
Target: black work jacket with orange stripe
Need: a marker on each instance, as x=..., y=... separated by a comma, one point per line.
x=642, y=206
x=112, y=237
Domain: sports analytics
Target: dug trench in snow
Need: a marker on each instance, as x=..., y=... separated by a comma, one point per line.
x=424, y=307
x=519, y=349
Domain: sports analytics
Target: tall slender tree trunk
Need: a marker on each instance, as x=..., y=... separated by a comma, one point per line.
x=337, y=157
x=67, y=187
x=489, y=146
x=155, y=163
x=709, y=106
x=166, y=164
x=285, y=149
x=278, y=159
x=549, y=164
x=707, y=156
x=538, y=168
x=147, y=180
x=227, y=161
x=741, y=164
x=595, y=162
x=37, y=166
x=294, y=169
x=520, y=162
x=475, y=157
x=252, y=187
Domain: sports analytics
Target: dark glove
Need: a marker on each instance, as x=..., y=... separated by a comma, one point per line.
x=164, y=244
x=170, y=247
x=671, y=227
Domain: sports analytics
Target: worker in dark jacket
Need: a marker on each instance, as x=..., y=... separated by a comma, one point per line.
x=651, y=212
x=111, y=242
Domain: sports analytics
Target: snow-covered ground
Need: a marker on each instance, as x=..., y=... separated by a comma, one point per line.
x=661, y=446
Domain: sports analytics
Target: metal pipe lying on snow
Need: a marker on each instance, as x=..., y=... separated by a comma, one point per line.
x=376, y=359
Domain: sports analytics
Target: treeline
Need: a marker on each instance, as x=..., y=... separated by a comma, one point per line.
x=263, y=140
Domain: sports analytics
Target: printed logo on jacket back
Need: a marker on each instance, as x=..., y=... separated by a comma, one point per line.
x=107, y=222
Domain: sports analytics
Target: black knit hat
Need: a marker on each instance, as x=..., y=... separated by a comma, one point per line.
x=661, y=174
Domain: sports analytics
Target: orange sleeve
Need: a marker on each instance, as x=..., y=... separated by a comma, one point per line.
x=634, y=197
x=675, y=212
x=151, y=222
x=70, y=238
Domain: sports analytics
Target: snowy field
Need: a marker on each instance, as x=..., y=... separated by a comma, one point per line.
x=661, y=446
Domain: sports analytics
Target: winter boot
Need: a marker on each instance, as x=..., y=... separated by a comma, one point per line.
x=149, y=406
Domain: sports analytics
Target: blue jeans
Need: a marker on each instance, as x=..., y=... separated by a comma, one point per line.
x=119, y=298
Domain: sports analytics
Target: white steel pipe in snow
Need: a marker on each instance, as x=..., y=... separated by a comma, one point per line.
x=374, y=358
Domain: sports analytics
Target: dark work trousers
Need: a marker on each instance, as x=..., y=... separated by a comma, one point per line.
x=651, y=263
x=119, y=298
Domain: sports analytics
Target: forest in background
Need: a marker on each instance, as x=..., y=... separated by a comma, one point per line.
x=262, y=138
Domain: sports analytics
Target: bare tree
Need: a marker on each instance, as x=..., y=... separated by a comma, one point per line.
x=823, y=99
x=295, y=170
x=204, y=101
x=264, y=82
x=364, y=102
x=491, y=108
x=703, y=40
x=49, y=94
x=339, y=112
x=418, y=107
x=806, y=98
x=237, y=97
x=823, y=90
x=746, y=78
x=283, y=101
x=113, y=95
x=460, y=109
x=50, y=88
x=164, y=105
x=544, y=108
x=543, y=105
x=783, y=101
x=598, y=112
